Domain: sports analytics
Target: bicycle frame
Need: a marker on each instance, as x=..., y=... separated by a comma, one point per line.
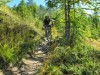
x=48, y=33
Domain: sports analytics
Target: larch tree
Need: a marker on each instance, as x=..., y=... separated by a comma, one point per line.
x=33, y=7
x=22, y=9
x=66, y=4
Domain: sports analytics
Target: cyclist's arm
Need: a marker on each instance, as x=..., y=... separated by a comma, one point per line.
x=52, y=22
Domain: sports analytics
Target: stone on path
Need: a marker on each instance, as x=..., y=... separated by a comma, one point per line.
x=1, y=73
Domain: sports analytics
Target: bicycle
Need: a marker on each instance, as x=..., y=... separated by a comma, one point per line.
x=47, y=29
x=48, y=33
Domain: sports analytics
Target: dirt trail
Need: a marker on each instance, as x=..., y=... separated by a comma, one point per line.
x=30, y=66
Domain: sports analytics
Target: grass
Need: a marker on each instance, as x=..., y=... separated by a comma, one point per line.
x=79, y=60
x=93, y=43
x=17, y=37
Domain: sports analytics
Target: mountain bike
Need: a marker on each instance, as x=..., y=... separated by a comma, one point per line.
x=47, y=29
x=48, y=33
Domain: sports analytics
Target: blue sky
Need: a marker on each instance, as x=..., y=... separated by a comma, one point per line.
x=16, y=2
x=42, y=2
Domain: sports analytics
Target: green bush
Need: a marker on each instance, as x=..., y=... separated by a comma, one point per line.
x=95, y=33
x=16, y=39
x=77, y=61
x=7, y=53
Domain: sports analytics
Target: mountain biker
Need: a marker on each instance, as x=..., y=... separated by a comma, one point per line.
x=47, y=25
x=47, y=21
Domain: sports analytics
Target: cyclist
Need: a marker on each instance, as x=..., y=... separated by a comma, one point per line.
x=47, y=27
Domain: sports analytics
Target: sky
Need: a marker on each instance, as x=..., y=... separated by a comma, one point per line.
x=42, y=2
x=16, y=2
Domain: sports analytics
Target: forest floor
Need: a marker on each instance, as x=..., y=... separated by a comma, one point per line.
x=30, y=65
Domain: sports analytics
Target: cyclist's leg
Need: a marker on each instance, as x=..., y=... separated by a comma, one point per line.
x=49, y=34
x=46, y=33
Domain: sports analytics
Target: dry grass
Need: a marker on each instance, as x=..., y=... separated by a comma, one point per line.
x=9, y=12
x=94, y=43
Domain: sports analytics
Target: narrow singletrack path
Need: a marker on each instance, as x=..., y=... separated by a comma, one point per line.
x=30, y=65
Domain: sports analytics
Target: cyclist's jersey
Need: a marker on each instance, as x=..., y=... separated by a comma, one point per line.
x=47, y=22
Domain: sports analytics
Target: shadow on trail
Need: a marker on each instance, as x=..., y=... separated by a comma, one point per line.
x=40, y=54
x=8, y=72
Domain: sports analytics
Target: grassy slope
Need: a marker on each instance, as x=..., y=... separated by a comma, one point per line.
x=16, y=34
x=13, y=18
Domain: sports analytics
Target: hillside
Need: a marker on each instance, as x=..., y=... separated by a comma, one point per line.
x=17, y=36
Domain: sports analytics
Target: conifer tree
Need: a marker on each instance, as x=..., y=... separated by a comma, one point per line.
x=22, y=9
x=33, y=7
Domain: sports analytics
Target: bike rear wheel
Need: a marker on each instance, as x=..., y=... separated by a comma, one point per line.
x=48, y=34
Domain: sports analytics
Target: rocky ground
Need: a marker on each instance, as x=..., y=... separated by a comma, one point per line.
x=30, y=65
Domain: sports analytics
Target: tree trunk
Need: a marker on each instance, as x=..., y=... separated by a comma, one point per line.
x=67, y=21
x=65, y=17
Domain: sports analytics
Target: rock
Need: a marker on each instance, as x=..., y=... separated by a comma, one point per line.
x=24, y=73
x=1, y=73
x=22, y=68
x=15, y=73
x=39, y=48
x=18, y=74
x=27, y=62
x=31, y=72
x=39, y=64
x=14, y=69
x=39, y=52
